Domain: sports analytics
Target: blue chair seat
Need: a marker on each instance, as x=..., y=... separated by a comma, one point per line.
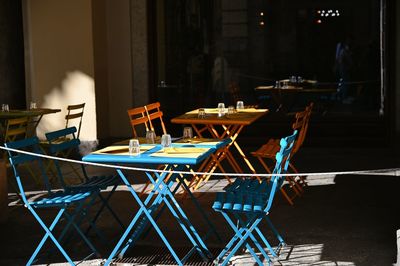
x=59, y=199
x=95, y=183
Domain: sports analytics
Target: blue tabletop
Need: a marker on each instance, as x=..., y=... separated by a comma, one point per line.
x=190, y=153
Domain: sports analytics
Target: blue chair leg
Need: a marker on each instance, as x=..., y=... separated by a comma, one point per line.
x=47, y=235
x=241, y=235
x=106, y=205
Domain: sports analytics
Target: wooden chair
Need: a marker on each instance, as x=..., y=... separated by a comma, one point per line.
x=74, y=116
x=75, y=113
x=268, y=151
x=138, y=116
x=16, y=129
x=154, y=113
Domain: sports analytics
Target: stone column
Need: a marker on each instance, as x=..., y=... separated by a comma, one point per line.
x=139, y=48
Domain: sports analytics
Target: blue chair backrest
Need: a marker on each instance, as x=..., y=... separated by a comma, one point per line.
x=65, y=142
x=61, y=141
x=17, y=159
x=281, y=166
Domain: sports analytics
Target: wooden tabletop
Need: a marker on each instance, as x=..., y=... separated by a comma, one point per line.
x=244, y=117
x=29, y=113
x=291, y=88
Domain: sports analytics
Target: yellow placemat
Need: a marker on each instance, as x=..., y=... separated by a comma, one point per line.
x=252, y=110
x=201, y=141
x=215, y=111
x=187, y=152
x=121, y=149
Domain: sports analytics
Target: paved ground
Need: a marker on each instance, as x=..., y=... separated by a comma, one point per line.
x=340, y=220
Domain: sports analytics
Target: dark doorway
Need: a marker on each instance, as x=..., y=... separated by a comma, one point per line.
x=12, y=72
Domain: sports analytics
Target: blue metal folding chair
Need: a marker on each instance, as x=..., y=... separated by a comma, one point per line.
x=64, y=142
x=248, y=201
x=56, y=199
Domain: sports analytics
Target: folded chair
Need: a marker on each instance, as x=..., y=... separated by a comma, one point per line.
x=246, y=203
x=94, y=184
x=138, y=117
x=75, y=115
x=267, y=153
x=16, y=129
x=70, y=204
x=154, y=113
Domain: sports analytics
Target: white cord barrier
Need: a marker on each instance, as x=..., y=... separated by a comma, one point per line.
x=358, y=172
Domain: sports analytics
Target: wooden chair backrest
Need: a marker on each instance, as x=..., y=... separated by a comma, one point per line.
x=75, y=111
x=16, y=129
x=301, y=125
x=154, y=112
x=138, y=116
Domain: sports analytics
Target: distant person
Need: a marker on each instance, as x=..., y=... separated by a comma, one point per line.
x=343, y=65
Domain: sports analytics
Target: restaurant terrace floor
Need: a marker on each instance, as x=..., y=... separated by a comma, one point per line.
x=341, y=219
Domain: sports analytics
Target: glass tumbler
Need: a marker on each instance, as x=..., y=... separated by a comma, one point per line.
x=231, y=110
x=201, y=113
x=187, y=133
x=150, y=137
x=32, y=105
x=239, y=105
x=134, y=147
x=5, y=108
x=166, y=140
x=221, y=109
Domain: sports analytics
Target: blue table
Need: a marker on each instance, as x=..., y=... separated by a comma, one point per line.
x=177, y=158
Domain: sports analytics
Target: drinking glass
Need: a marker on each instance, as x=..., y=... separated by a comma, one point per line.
x=5, y=108
x=231, y=110
x=150, y=137
x=166, y=140
x=201, y=113
x=32, y=105
x=239, y=105
x=134, y=147
x=221, y=109
x=300, y=79
x=285, y=84
x=187, y=133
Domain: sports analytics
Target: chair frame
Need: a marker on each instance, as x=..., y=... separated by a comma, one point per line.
x=75, y=111
x=268, y=150
x=59, y=199
x=249, y=201
x=93, y=184
x=138, y=116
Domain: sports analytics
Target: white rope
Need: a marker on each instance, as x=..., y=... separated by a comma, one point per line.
x=357, y=172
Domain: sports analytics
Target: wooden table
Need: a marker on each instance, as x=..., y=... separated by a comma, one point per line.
x=38, y=112
x=280, y=95
x=227, y=126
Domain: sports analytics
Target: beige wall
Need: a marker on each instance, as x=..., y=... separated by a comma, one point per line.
x=59, y=60
x=83, y=51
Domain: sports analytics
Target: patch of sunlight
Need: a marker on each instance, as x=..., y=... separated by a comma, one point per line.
x=76, y=88
x=309, y=254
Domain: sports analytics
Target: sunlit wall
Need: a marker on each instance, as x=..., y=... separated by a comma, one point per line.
x=59, y=60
